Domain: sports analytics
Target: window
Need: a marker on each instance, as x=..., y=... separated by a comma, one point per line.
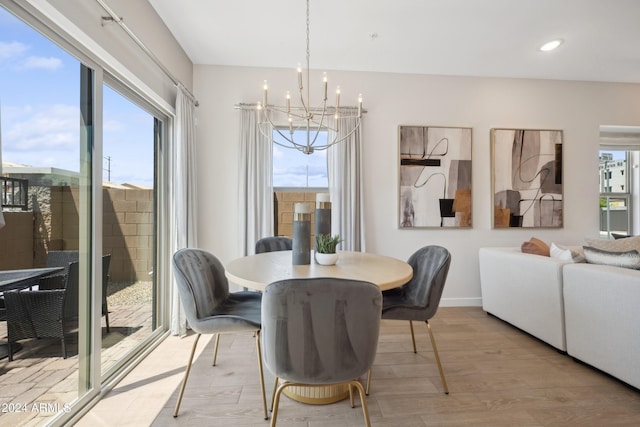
x=615, y=215
x=294, y=169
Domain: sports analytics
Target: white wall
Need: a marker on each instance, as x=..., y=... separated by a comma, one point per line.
x=578, y=108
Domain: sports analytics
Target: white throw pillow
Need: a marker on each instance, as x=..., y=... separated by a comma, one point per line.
x=619, y=245
x=627, y=259
x=565, y=254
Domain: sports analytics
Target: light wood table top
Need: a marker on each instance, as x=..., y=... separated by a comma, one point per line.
x=257, y=271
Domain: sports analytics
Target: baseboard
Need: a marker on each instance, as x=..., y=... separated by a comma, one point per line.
x=461, y=302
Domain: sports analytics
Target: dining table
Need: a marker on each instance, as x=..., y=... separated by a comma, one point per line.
x=257, y=271
x=11, y=280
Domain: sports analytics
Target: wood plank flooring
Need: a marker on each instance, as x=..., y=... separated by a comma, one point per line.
x=497, y=376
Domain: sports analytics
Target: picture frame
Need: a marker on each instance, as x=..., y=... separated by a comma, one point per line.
x=434, y=177
x=527, y=188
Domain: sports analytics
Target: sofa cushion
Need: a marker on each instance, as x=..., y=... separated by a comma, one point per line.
x=627, y=259
x=619, y=245
x=565, y=254
x=535, y=246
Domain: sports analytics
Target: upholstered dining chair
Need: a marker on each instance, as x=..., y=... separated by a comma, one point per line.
x=419, y=298
x=320, y=331
x=272, y=244
x=211, y=309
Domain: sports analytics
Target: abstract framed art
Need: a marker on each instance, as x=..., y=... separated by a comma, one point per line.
x=435, y=177
x=527, y=178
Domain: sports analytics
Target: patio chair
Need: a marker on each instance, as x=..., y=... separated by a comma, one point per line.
x=35, y=314
x=44, y=313
x=69, y=280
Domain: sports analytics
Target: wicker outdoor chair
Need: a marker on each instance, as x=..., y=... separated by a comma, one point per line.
x=35, y=314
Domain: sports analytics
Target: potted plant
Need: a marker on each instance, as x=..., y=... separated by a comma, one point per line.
x=325, y=253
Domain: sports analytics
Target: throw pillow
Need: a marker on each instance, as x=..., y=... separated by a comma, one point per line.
x=565, y=254
x=627, y=259
x=619, y=245
x=535, y=246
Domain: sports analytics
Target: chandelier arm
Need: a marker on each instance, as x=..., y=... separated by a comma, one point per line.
x=290, y=140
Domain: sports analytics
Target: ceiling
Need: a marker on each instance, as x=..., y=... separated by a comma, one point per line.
x=496, y=38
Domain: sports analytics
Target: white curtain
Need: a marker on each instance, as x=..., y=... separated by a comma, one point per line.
x=255, y=180
x=184, y=194
x=344, y=161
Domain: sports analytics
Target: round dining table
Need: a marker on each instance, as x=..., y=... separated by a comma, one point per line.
x=257, y=271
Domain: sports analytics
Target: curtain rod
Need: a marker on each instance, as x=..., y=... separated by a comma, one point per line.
x=115, y=18
x=243, y=106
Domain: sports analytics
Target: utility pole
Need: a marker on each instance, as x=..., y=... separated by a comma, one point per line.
x=108, y=168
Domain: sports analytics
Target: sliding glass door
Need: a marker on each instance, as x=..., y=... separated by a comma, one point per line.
x=81, y=157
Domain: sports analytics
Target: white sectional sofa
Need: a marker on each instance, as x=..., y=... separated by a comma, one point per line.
x=588, y=310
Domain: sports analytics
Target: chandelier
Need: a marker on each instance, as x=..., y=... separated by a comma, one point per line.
x=311, y=120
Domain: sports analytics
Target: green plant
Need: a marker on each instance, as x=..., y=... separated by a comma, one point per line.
x=326, y=244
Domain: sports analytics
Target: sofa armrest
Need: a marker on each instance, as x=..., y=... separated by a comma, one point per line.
x=524, y=290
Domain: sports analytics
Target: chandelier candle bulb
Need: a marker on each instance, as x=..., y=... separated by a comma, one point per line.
x=266, y=93
x=324, y=79
x=301, y=241
x=289, y=104
x=299, y=76
x=360, y=105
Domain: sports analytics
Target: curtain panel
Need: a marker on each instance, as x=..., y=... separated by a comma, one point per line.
x=184, y=195
x=255, y=180
x=344, y=161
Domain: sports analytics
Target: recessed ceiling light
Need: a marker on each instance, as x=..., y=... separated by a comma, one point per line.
x=551, y=45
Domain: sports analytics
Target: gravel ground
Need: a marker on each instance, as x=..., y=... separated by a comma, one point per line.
x=124, y=293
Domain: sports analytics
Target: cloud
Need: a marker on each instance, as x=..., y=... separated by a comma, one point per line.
x=39, y=62
x=41, y=128
x=12, y=50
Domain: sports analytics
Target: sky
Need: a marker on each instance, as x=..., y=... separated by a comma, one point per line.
x=39, y=112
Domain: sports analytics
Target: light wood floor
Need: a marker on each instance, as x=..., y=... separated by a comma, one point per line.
x=497, y=376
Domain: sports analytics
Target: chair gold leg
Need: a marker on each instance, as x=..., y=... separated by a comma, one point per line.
x=353, y=405
x=413, y=337
x=363, y=399
x=435, y=352
x=273, y=393
x=264, y=395
x=368, y=382
x=186, y=376
x=276, y=401
x=215, y=349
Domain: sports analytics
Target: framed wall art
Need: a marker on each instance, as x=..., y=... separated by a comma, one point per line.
x=527, y=178
x=435, y=177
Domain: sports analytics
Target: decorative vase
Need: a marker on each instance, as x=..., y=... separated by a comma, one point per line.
x=326, y=259
x=301, y=241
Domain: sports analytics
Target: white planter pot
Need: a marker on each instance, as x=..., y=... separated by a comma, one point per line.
x=326, y=259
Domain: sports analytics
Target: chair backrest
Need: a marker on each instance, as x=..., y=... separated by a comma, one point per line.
x=430, y=268
x=272, y=244
x=71, y=297
x=106, y=262
x=202, y=285
x=61, y=259
x=321, y=330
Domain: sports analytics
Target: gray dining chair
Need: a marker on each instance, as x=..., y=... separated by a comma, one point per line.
x=318, y=332
x=419, y=298
x=274, y=243
x=211, y=309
